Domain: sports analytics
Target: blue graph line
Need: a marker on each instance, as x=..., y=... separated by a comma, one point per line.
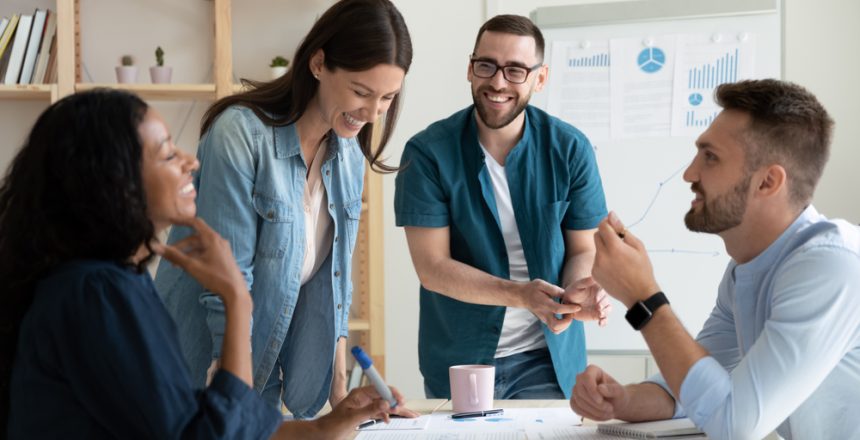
x=654, y=199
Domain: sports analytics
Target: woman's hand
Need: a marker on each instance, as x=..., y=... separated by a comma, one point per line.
x=207, y=257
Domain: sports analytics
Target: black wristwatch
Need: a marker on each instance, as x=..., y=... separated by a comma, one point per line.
x=640, y=313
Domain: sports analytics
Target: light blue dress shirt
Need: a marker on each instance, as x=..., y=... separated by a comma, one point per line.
x=251, y=190
x=784, y=340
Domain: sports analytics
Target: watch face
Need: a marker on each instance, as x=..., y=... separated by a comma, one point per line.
x=638, y=315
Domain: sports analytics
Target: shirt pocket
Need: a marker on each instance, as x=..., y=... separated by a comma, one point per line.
x=274, y=227
x=352, y=211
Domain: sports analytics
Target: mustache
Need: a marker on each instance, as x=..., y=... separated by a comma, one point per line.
x=488, y=88
x=695, y=187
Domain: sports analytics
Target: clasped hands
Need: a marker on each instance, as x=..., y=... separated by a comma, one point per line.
x=583, y=300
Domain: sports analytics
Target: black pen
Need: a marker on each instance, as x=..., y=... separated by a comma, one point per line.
x=369, y=423
x=466, y=415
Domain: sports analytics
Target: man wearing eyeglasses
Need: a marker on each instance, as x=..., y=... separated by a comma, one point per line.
x=500, y=202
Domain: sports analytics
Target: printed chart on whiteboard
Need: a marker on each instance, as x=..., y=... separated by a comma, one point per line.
x=630, y=88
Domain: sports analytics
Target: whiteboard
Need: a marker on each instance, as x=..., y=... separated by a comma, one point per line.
x=642, y=177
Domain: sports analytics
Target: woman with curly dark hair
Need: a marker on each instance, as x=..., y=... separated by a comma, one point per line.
x=88, y=349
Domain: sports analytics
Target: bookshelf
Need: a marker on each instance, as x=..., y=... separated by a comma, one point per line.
x=366, y=318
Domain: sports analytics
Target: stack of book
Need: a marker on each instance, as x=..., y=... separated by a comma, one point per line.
x=28, y=49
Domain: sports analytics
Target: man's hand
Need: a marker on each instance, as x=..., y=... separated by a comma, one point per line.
x=621, y=265
x=540, y=298
x=587, y=294
x=598, y=396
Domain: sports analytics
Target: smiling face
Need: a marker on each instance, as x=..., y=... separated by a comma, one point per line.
x=498, y=101
x=718, y=176
x=347, y=100
x=166, y=174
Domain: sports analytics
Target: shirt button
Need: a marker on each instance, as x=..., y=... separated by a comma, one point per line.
x=339, y=306
x=327, y=172
x=335, y=238
x=307, y=208
x=337, y=273
x=270, y=215
x=331, y=206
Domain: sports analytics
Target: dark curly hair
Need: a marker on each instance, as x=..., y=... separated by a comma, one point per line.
x=74, y=191
x=355, y=35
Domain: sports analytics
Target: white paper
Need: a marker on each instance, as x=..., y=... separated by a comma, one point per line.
x=579, y=86
x=397, y=424
x=703, y=62
x=422, y=435
x=641, y=77
x=521, y=419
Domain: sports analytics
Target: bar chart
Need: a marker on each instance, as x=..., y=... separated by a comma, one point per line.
x=596, y=60
x=707, y=76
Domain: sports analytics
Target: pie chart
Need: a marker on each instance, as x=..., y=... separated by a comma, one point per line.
x=695, y=99
x=651, y=59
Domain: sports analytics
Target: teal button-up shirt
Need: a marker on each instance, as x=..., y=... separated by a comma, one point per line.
x=444, y=182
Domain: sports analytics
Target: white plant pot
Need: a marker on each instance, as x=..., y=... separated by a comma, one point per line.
x=160, y=74
x=278, y=71
x=126, y=74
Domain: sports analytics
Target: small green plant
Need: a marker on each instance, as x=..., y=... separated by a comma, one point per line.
x=127, y=60
x=159, y=56
x=279, y=61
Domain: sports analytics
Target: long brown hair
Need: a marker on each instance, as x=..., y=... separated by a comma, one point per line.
x=355, y=35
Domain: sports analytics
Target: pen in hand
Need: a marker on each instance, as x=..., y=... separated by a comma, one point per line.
x=367, y=366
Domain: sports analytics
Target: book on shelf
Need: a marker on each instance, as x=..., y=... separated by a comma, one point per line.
x=45, y=49
x=33, y=44
x=51, y=70
x=5, y=38
x=19, y=46
x=671, y=428
x=3, y=23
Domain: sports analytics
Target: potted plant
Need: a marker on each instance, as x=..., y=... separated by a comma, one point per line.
x=126, y=72
x=278, y=67
x=160, y=73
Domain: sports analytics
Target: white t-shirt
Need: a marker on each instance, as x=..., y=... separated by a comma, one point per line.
x=319, y=229
x=521, y=330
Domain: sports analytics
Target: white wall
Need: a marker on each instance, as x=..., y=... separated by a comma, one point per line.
x=821, y=40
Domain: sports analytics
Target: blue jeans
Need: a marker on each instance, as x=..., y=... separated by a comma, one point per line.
x=528, y=375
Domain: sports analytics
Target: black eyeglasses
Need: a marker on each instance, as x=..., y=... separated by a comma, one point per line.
x=512, y=74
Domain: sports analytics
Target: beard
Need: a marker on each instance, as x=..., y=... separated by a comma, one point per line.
x=722, y=213
x=496, y=122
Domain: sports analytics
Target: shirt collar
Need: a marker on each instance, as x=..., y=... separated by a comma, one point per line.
x=767, y=258
x=286, y=140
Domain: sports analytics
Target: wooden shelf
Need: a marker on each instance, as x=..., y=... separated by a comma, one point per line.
x=165, y=92
x=358, y=325
x=32, y=92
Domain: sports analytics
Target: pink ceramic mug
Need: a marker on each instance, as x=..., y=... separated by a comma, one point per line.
x=472, y=387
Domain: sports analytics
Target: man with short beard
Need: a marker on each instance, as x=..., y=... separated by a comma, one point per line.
x=781, y=349
x=500, y=202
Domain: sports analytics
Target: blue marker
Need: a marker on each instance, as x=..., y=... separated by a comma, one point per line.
x=367, y=366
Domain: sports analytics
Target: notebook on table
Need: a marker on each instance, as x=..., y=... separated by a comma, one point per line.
x=674, y=428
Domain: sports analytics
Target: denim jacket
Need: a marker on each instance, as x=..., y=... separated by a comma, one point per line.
x=250, y=190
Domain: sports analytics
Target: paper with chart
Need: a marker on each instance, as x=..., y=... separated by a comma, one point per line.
x=412, y=435
x=640, y=82
x=397, y=423
x=579, y=80
x=514, y=423
x=703, y=62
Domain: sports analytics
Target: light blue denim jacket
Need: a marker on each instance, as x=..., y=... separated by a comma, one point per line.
x=250, y=189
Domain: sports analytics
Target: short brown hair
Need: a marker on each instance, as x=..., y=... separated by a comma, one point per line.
x=516, y=25
x=788, y=126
